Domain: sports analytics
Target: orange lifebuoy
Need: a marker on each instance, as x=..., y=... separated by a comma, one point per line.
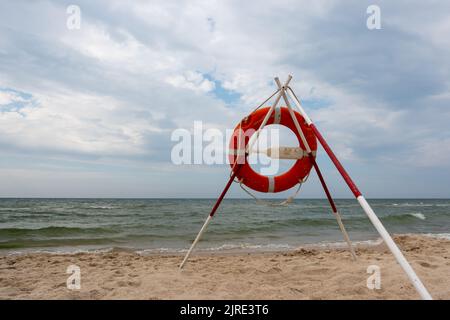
x=246, y=128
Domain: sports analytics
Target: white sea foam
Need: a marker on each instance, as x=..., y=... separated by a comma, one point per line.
x=418, y=215
x=58, y=251
x=248, y=246
x=420, y=204
x=161, y=250
x=102, y=207
x=438, y=235
x=225, y=247
x=342, y=244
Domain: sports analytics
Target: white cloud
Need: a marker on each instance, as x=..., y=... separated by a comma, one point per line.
x=191, y=80
x=72, y=123
x=429, y=153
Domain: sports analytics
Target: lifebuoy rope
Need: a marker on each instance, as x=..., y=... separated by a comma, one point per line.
x=268, y=203
x=265, y=101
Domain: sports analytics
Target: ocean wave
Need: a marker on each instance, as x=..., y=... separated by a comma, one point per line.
x=418, y=215
x=438, y=235
x=103, y=207
x=51, y=231
x=55, y=243
x=54, y=251
x=420, y=204
x=312, y=222
x=14, y=209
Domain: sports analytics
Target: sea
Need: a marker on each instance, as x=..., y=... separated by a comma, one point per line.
x=170, y=225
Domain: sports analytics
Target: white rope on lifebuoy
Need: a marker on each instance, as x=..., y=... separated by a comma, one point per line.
x=289, y=199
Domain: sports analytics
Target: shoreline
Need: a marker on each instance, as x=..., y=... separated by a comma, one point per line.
x=303, y=273
x=223, y=249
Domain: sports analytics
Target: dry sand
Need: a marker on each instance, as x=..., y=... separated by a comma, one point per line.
x=305, y=273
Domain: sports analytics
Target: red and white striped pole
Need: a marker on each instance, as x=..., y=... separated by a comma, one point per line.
x=319, y=173
x=424, y=294
x=211, y=214
x=233, y=175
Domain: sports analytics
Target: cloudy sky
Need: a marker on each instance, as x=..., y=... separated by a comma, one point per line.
x=89, y=112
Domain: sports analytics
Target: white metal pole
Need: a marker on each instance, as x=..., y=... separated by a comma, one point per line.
x=266, y=118
x=345, y=234
x=394, y=249
x=205, y=225
x=294, y=118
x=299, y=106
x=367, y=209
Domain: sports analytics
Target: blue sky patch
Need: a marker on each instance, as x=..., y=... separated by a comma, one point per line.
x=230, y=97
x=315, y=103
x=16, y=100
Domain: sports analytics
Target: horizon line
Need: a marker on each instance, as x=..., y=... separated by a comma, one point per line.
x=230, y=198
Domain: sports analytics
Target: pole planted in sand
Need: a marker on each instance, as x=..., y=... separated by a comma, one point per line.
x=418, y=285
x=311, y=156
x=210, y=216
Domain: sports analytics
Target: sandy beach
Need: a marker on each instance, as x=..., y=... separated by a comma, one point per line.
x=306, y=273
